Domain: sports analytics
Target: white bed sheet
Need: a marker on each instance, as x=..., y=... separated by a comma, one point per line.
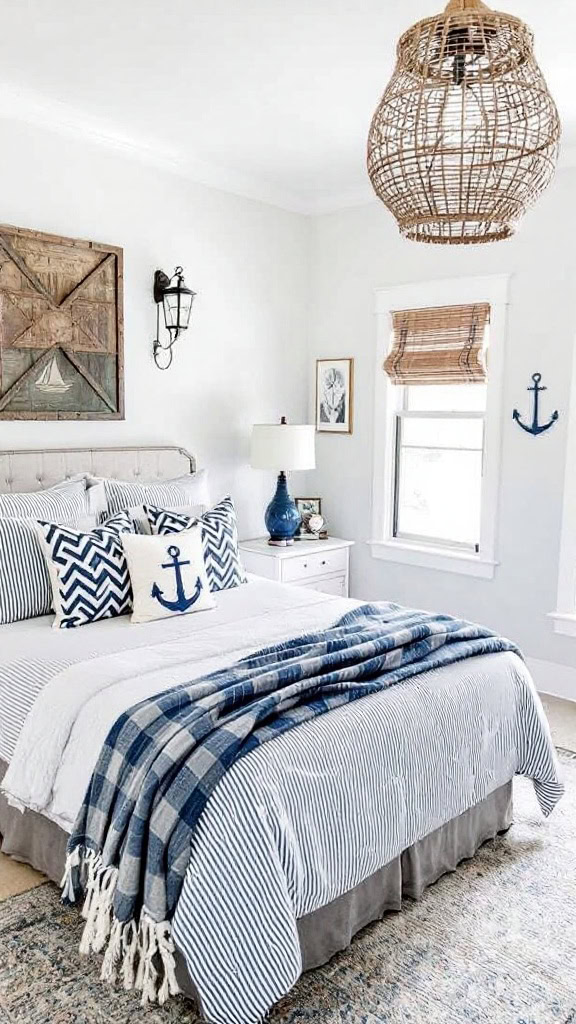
x=33, y=655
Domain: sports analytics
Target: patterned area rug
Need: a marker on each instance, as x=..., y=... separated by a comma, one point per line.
x=493, y=943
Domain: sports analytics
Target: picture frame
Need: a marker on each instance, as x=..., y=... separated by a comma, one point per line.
x=307, y=507
x=334, y=395
x=61, y=327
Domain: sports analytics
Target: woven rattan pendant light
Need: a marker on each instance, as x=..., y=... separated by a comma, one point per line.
x=466, y=135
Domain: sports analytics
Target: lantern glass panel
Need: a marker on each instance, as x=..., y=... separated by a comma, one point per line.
x=177, y=307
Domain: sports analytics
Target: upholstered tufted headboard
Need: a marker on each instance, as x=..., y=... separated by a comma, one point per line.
x=33, y=470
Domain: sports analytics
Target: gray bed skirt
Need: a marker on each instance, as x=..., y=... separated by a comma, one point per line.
x=31, y=838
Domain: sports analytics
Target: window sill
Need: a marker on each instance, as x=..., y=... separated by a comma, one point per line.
x=564, y=622
x=434, y=558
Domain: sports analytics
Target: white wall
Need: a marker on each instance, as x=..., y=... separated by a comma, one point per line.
x=243, y=359
x=358, y=250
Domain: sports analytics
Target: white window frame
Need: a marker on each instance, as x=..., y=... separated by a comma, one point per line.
x=450, y=292
x=564, y=617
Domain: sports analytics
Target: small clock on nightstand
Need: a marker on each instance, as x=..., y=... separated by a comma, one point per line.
x=323, y=565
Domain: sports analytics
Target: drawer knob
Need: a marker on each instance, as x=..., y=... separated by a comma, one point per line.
x=305, y=565
x=323, y=563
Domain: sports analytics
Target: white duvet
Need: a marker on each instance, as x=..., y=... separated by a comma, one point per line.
x=62, y=730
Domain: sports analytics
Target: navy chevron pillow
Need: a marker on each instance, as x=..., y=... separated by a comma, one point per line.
x=219, y=537
x=88, y=571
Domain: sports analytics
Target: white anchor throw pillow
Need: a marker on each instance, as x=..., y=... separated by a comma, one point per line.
x=168, y=574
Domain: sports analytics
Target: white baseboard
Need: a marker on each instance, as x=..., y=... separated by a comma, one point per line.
x=553, y=679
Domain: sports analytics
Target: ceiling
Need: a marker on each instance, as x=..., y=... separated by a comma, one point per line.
x=267, y=98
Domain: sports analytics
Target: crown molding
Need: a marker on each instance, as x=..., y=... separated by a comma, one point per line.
x=24, y=106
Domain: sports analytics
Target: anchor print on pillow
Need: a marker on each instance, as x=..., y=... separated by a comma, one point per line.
x=181, y=602
x=219, y=535
x=167, y=578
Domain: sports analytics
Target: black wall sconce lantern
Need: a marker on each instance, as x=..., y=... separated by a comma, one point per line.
x=176, y=300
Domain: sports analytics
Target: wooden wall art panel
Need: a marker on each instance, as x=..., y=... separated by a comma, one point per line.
x=61, y=328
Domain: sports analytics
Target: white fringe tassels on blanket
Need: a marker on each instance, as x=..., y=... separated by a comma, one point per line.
x=143, y=952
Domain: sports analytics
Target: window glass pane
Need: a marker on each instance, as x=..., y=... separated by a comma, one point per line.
x=442, y=433
x=446, y=398
x=439, y=495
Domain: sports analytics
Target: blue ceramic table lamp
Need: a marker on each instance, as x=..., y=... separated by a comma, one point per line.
x=282, y=446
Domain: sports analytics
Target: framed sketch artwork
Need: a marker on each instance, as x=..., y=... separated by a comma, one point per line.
x=61, y=355
x=334, y=395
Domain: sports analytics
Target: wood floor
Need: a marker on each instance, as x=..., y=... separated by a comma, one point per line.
x=562, y=718
x=16, y=878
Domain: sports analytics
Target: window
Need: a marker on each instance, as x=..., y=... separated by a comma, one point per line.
x=438, y=422
x=439, y=445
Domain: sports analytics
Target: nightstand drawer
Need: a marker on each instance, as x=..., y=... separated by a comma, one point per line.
x=337, y=585
x=319, y=563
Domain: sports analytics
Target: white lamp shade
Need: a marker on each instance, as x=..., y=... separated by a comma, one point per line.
x=283, y=446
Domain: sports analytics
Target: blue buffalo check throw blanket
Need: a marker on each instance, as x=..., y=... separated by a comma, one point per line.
x=164, y=757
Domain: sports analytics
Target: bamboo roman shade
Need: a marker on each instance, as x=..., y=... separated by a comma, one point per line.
x=439, y=345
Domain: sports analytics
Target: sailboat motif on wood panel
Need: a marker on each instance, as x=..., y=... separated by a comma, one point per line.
x=51, y=380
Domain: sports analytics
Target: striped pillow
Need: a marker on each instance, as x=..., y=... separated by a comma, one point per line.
x=88, y=571
x=25, y=590
x=219, y=537
x=191, y=489
x=61, y=504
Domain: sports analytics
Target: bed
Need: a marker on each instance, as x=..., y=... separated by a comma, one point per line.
x=307, y=839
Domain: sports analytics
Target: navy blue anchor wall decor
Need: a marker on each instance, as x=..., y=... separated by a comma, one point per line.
x=181, y=603
x=535, y=427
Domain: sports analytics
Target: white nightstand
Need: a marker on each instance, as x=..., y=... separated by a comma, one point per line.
x=318, y=564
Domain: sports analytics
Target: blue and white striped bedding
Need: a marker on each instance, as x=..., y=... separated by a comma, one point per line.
x=306, y=817
x=322, y=816
x=66, y=499
x=25, y=589
x=188, y=490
